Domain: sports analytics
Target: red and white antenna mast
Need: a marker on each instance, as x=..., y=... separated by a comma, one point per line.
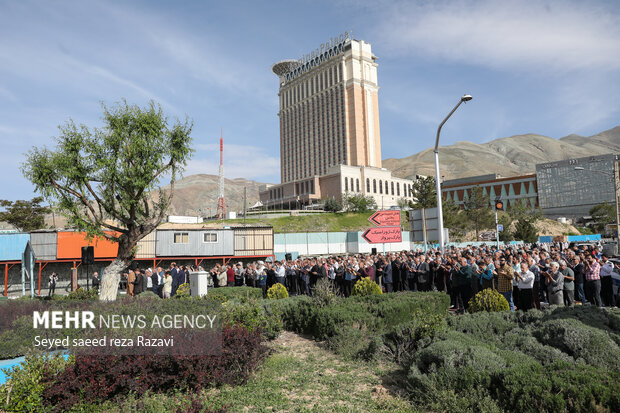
x=221, y=203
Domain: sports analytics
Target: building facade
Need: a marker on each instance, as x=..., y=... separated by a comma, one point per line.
x=330, y=140
x=329, y=110
x=572, y=187
x=339, y=180
x=510, y=190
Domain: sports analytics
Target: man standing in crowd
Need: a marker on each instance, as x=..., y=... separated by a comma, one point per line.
x=555, y=285
x=607, y=289
x=579, y=273
x=96, y=280
x=505, y=274
x=52, y=284
x=593, y=281
x=569, y=284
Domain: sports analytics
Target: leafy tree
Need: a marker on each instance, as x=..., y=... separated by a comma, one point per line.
x=101, y=178
x=453, y=219
x=506, y=221
x=478, y=211
x=602, y=215
x=425, y=193
x=358, y=203
x=525, y=231
x=332, y=205
x=24, y=215
x=520, y=209
x=404, y=204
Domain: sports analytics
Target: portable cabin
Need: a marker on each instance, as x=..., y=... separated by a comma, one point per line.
x=146, y=246
x=193, y=241
x=45, y=244
x=253, y=241
x=70, y=245
x=12, y=246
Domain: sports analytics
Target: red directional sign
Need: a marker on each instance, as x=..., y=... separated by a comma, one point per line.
x=383, y=235
x=386, y=218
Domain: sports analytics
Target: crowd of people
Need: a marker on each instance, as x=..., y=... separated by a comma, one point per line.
x=164, y=283
x=528, y=276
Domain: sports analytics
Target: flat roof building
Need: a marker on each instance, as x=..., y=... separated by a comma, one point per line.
x=572, y=187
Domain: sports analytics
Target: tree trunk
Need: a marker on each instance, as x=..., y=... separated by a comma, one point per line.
x=110, y=280
x=112, y=273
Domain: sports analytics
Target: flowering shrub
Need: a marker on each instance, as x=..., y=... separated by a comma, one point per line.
x=276, y=292
x=366, y=286
x=488, y=300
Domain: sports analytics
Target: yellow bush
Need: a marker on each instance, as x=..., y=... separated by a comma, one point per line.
x=276, y=292
x=366, y=286
x=488, y=300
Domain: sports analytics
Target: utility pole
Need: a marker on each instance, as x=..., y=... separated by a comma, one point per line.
x=245, y=188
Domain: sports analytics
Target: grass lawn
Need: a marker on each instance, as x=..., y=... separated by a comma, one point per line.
x=302, y=376
x=299, y=376
x=333, y=222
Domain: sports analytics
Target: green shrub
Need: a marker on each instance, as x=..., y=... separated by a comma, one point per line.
x=580, y=341
x=82, y=294
x=324, y=293
x=365, y=286
x=488, y=327
x=183, y=291
x=253, y=317
x=403, y=340
x=556, y=387
x=488, y=300
x=24, y=389
x=243, y=294
x=277, y=292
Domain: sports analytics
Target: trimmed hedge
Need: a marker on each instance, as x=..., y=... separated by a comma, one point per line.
x=527, y=362
x=243, y=294
x=376, y=313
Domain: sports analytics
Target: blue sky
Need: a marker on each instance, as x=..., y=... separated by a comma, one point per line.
x=547, y=67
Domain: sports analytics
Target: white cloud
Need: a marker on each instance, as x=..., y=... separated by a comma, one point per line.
x=240, y=161
x=528, y=34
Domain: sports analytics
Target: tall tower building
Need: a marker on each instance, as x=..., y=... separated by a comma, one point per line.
x=329, y=111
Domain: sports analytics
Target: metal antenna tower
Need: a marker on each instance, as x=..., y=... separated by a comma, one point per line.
x=221, y=203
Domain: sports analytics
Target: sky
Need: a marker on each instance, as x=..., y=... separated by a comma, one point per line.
x=546, y=67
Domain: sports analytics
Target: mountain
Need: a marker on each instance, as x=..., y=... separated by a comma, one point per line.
x=200, y=191
x=515, y=155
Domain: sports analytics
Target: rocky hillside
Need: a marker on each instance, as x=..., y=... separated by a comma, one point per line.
x=506, y=156
x=200, y=191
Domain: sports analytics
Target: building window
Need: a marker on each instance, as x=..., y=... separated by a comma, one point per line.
x=374, y=186
x=352, y=186
x=181, y=237
x=392, y=185
x=367, y=184
x=357, y=184
x=346, y=184
x=312, y=186
x=380, y=186
x=209, y=237
x=397, y=189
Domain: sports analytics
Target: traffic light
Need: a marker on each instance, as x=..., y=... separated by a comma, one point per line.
x=499, y=205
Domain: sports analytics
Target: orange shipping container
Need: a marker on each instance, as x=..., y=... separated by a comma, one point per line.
x=70, y=246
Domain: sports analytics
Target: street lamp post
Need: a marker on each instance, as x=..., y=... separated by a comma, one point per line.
x=464, y=98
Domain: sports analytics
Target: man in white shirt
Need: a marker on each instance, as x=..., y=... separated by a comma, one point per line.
x=280, y=273
x=525, y=284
